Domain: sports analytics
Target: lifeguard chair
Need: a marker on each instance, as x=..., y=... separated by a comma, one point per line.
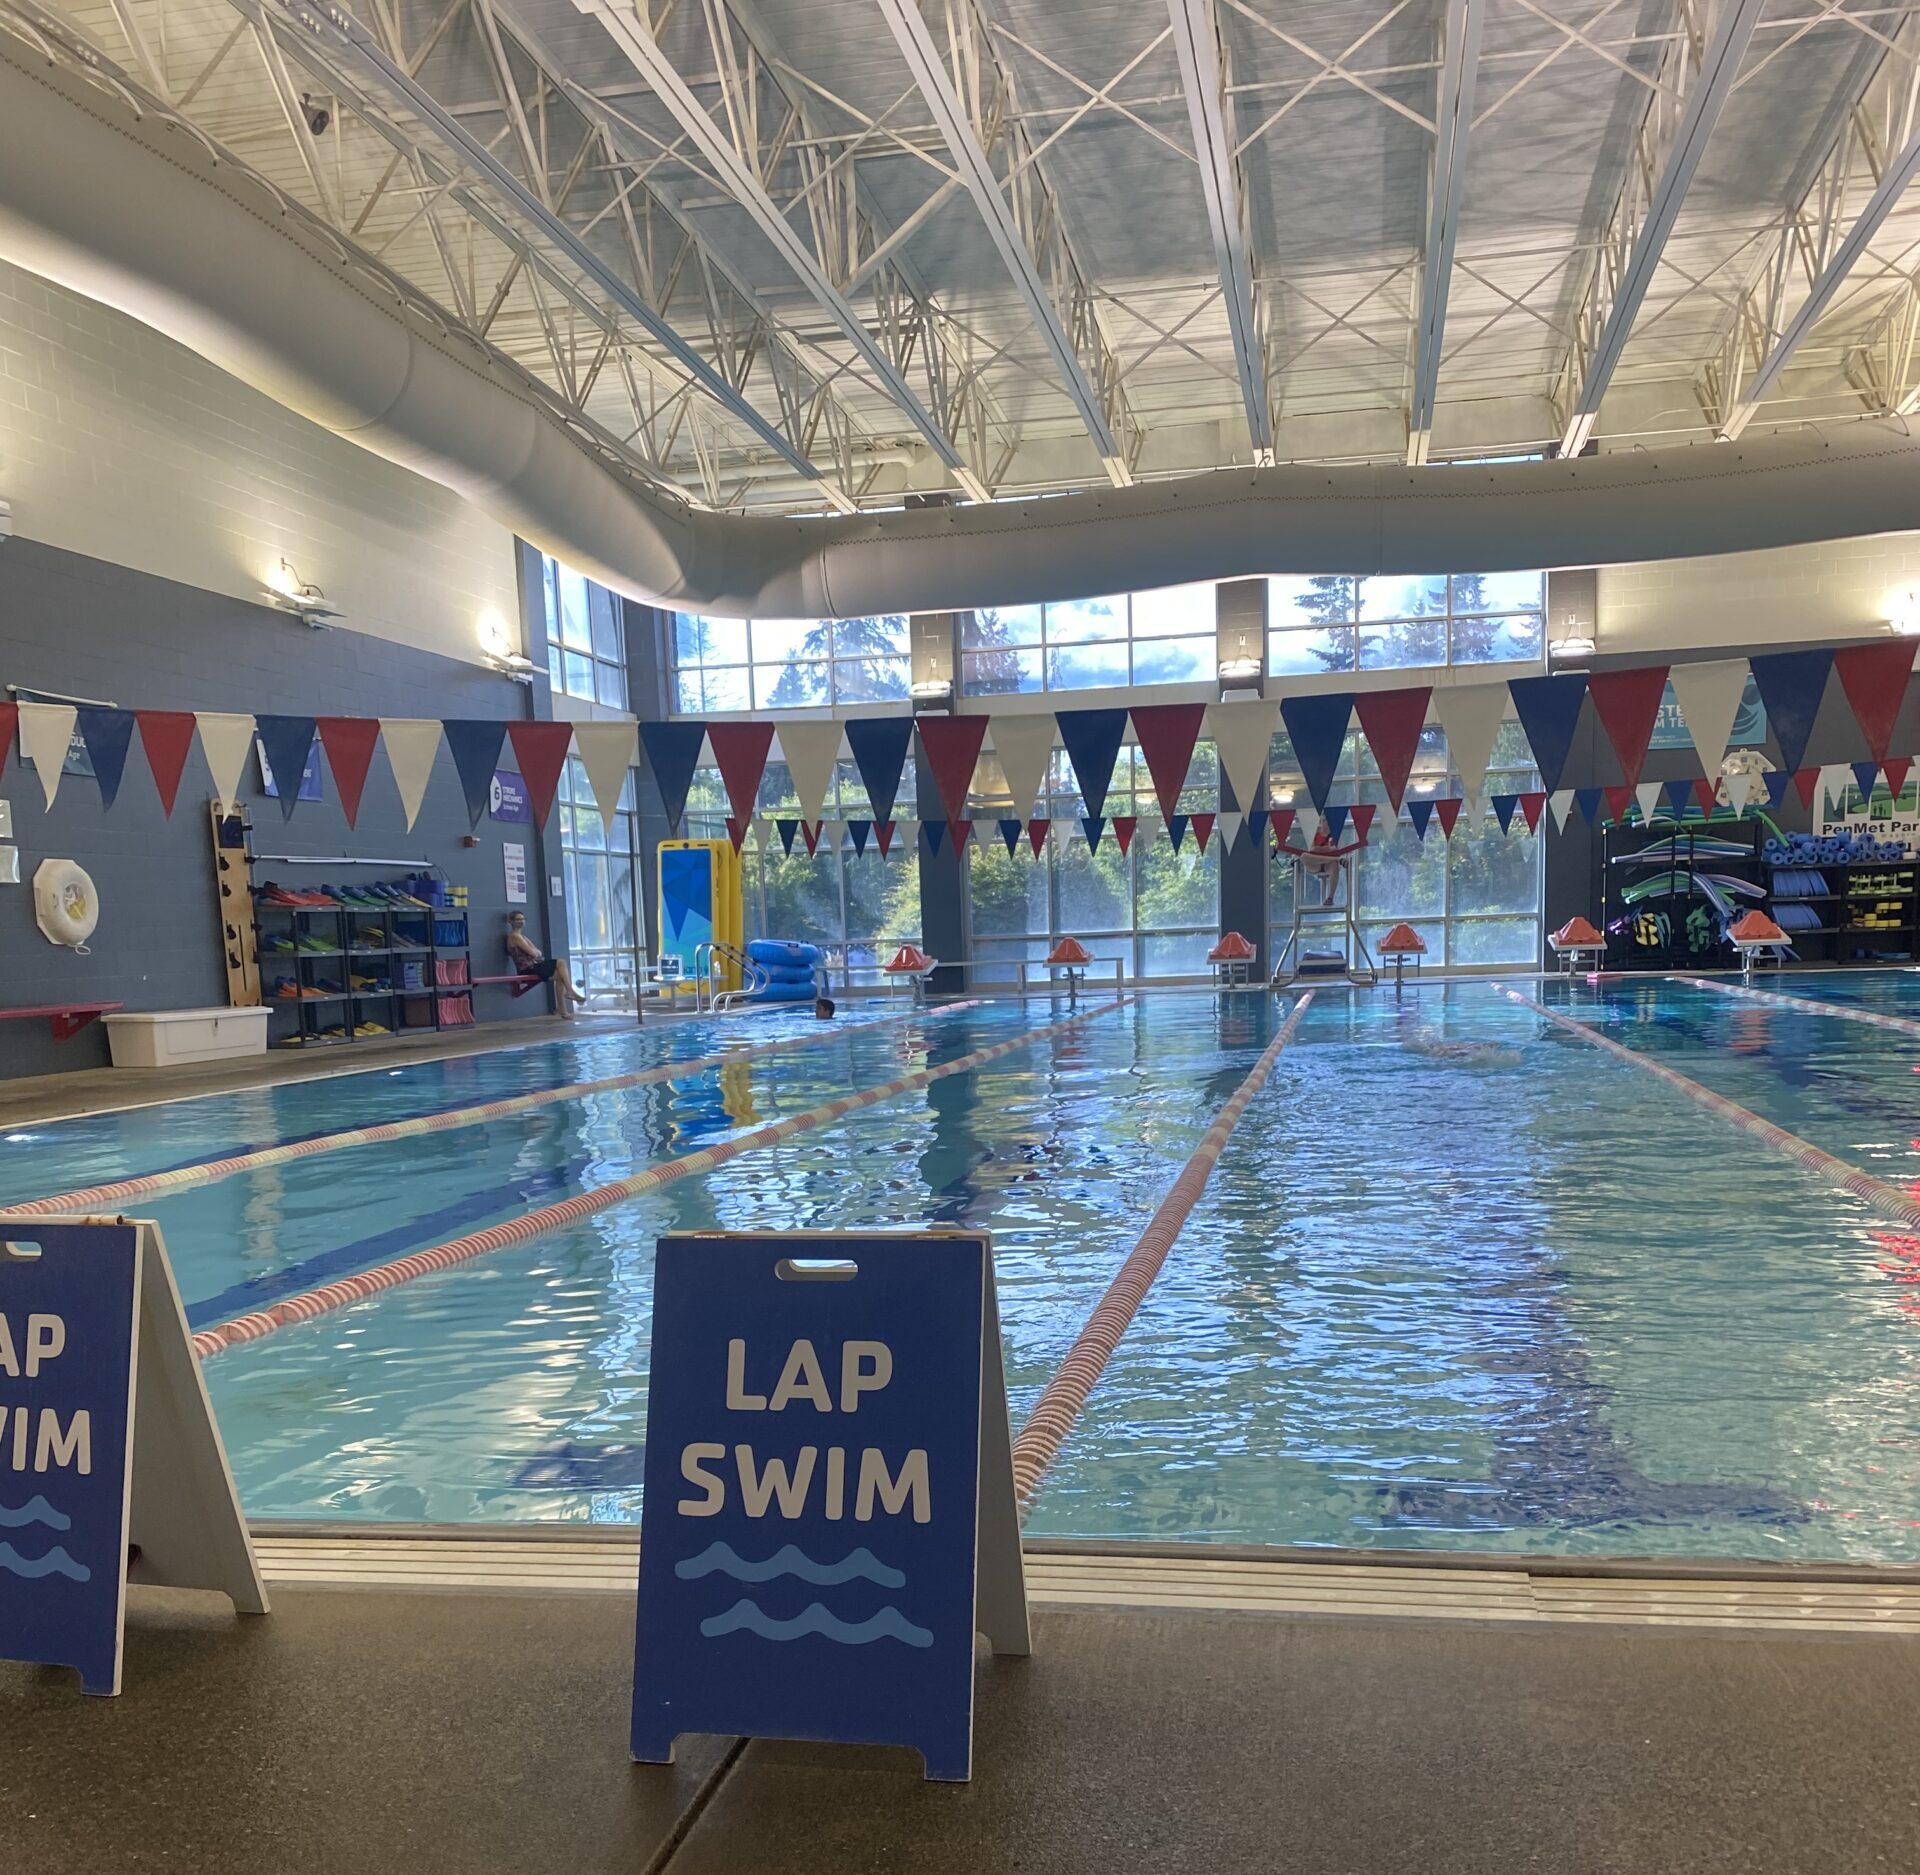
x=1327, y=868
x=1402, y=942
x=1232, y=961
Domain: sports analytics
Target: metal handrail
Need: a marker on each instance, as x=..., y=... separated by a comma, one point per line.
x=752, y=978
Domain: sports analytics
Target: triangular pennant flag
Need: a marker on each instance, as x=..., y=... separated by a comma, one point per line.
x=1791, y=684
x=1166, y=733
x=1646, y=795
x=1471, y=715
x=9, y=721
x=167, y=737
x=737, y=831
x=412, y=744
x=46, y=733
x=1092, y=741
x=809, y=829
x=959, y=831
x=541, y=750
x=879, y=746
x=1363, y=820
x=740, y=750
x=1679, y=799
x=1177, y=830
x=951, y=745
x=1229, y=825
x=859, y=832
x=1281, y=820
x=1023, y=745
x=1709, y=699
x=673, y=753
x=883, y=832
x=1531, y=805
x=1123, y=826
x=1257, y=827
x=288, y=742
x=1588, y=800
x=475, y=745
x=226, y=740
x=810, y=747
x=1777, y=781
x=1561, y=802
x=1336, y=819
x=834, y=833
x=1834, y=782
x=933, y=831
x=1037, y=835
x=1503, y=806
x=786, y=829
x=1242, y=733
x=1740, y=790
x=1875, y=679
x=1092, y=825
x=607, y=751
x=1628, y=704
x=1618, y=801
x=1707, y=797
x=1317, y=728
x=1549, y=711
x=1865, y=774
x=349, y=742
x=108, y=735
x=1447, y=812
x=1805, y=780
x=1309, y=824
x=1896, y=768
x=1009, y=831
x=1420, y=812
x=1203, y=829
x=1392, y=720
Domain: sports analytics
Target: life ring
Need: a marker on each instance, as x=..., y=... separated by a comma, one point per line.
x=65, y=903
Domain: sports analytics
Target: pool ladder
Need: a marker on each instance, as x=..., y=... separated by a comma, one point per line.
x=712, y=961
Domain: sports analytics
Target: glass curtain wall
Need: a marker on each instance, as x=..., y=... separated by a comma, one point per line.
x=724, y=664
x=1328, y=622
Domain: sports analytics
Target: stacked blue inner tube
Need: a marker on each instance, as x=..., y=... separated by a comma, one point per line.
x=788, y=967
x=1831, y=849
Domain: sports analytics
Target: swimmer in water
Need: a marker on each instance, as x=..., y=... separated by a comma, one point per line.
x=1466, y=1054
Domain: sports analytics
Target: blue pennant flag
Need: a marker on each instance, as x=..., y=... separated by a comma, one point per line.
x=1257, y=828
x=1791, y=684
x=1421, y=814
x=860, y=832
x=786, y=829
x=1679, y=798
x=107, y=734
x=1778, y=781
x=1093, y=826
x=1865, y=774
x=1317, y=728
x=288, y=741
x=879, y=746
x=1177, y=829
x=1549, y=712
x=933, y=832
x=1336, y=823
x=1010, y=831
x=1091, y=739
x=1588, y=800
x=673, y=753
x=1503, y=806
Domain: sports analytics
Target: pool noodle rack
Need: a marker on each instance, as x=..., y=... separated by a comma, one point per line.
x=1687, y=863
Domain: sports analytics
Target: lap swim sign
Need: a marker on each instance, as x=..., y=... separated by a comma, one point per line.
x=829, y=1511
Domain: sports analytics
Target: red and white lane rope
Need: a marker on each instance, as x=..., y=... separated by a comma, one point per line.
x=357, y=1288
x=1805, y=1005
x=186, y=1177
x=1066, y=1393
x=1887, y=1199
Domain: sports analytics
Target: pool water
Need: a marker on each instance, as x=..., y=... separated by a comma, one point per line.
x=1509, y=1296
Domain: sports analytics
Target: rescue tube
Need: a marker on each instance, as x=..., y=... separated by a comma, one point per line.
x=65, y=903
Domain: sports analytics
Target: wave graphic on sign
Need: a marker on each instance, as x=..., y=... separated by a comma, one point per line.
x=721, y=1559
x=888, y=1625
x=34, y=1510
x=56, y=1562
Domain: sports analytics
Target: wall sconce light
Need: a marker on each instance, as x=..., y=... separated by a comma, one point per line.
x=1283, y=797
x=498, y=649
x=290, y=593
x=1574, y=645
x=1903, y=612
x=1241, y=671
x=933, y=693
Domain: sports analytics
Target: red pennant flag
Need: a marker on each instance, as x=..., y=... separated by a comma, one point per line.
x=1203, y=829
x=1281, y=821
x=1123, y=826
x=1166, y=733
x=809, y=830
x=951, y=745
x=1037, y=835
x=1392, y=720
x=883, y=832
x=961, y=832
x=1627, y=702
x=1875, y=679
x=9, y=715
x=167, y=737
x=1447, y=812
x=1618, y=800
x=1531, y=806
x=1805, y=780
x=348, y=741
x=1706, y=793
x=741, y=750
x=736, y=832
x=541, y=750
x=1895, y=771
x=1362, y=819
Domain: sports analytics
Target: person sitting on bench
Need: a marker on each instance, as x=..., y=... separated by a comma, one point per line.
x=527, y=958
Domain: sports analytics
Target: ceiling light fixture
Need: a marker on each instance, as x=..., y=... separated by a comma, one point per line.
x=1903, y=612
x=286, y=590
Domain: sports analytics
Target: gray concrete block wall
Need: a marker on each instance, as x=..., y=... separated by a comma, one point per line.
x=83, y=628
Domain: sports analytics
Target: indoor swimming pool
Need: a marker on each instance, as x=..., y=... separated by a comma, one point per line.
x=1461, y=1281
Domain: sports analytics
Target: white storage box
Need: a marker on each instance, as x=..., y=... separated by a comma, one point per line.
x=167, y=1038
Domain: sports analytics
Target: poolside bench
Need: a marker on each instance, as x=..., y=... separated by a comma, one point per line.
x=521, y=982
x=65, y=1020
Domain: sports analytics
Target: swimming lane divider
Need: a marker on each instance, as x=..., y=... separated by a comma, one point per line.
x=186, y=1177
x=1805, y=1005
x=1057, y=1408
x=357, y=1288
x=1888, y=1200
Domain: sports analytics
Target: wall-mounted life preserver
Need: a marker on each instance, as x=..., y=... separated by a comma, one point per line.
x=65, y=903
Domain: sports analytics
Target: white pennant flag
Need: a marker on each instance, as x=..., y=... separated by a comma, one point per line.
x=1023, y=745
x=833, y=836
x=1242, y=733
x=226, y=741
x=987, y=833
x=1740, y=789
x=412, y=743
x=1308, y=823
x=46, y=732
x=810, y=749
x=1561, y=802
x=607, y=751
x=1471, y=715
x=1709, y=698
x=1835, y=779
x=1228, y=827
x=1647, y=794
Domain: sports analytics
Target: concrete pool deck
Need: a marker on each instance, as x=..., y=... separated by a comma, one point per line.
x=1241, y=1716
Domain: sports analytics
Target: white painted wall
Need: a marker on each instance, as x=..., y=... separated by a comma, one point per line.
x=1841, y=589
x=119, y=444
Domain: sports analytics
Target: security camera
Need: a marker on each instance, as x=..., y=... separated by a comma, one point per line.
x=317, y=115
